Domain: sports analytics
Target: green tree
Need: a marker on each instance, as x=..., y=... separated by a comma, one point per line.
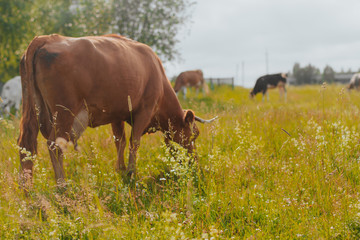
x=154, y=22
x=15, y=21
x=21, y=20
x=328, y=74
x=306, y=75
x=92, y=17
x=52, y=16
x=72, y=17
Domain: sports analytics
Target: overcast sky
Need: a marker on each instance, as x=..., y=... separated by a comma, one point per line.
x=226, y=33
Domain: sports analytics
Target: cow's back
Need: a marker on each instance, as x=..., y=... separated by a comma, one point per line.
x=274, y=79
x=101, y=73
x=195, y=77
x=188, y=79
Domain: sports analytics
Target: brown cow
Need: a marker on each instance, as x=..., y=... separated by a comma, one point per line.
x=192, y=78
x=72, y=83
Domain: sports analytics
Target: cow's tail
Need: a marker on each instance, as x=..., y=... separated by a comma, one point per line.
x=178, y=83
x=29, y=126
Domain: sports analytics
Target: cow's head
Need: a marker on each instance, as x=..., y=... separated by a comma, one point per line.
x=184, y=132
x=251, y=94
x=350, y=86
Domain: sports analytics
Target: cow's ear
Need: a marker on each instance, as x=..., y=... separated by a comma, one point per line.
x=189, y=117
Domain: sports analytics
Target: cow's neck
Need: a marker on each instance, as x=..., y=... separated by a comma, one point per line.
x=170, y=113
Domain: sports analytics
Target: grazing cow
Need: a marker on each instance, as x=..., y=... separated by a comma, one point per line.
x=192, y=78
x=72, y=83
x=354, y=82
x=270, y=81
x=11, y=95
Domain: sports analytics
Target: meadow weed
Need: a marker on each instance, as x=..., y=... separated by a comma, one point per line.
x=265, y=170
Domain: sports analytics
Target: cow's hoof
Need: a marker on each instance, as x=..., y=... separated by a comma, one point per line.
x=61, y=185
x=128, y=176
x=130, y=173
x=121, y=169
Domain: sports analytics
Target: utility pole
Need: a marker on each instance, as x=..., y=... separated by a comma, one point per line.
x=237, y=73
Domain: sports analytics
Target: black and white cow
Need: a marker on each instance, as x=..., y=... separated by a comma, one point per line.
x=354, y=82
x=270, y=81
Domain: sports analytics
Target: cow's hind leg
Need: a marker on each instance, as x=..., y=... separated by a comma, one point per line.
x=27, y=141
x=61, y=133
x=282, y=92
x=120, y=142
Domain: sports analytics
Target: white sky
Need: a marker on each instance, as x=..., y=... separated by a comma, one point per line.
x=226, y=33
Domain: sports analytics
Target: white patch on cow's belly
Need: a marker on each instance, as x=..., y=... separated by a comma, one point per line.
x=281, y=84
x=81, y=122
x=271, y=86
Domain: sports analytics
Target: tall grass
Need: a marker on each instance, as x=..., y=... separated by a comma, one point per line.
x=266, y=170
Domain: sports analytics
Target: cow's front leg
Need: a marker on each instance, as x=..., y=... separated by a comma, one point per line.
x=133, y=147
x=184, y=92
x=141, y=121
x=56, y=156
x=17, y=108
x=120, y=143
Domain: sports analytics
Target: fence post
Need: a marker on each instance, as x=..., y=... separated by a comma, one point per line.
x=219, y=81
x=211, y=84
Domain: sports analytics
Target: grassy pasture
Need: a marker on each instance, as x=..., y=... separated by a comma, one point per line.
x=266, y=170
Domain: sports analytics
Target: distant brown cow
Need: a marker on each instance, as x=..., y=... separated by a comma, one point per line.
x=72, y=83
x=193, y=78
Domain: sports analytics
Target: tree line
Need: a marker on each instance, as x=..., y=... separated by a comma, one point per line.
x=153, y=22
x=310, y=74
